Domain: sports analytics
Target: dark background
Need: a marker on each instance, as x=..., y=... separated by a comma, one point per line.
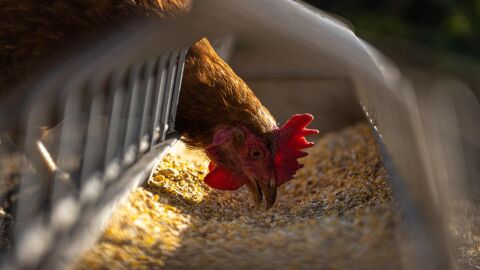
x=427, y=39
x=452, y=25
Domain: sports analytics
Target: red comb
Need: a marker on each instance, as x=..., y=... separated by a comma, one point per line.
x=290, y=140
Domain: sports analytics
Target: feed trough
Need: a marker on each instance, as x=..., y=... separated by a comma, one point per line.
x=121, y=95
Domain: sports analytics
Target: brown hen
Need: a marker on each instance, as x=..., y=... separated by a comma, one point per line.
x=217, y=111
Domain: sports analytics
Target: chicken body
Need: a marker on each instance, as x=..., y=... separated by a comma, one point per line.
x=34, y=31
x=217, y=111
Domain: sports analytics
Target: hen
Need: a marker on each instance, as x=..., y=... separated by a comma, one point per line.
x=217, y=111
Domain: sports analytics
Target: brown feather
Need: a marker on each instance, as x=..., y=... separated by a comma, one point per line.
x=32, y=31
x=213, y=95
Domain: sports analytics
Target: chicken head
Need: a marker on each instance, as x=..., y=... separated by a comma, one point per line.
x=262, y=162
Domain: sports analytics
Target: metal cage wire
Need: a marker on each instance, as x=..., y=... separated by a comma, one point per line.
x=116, y=120
x=129, y=87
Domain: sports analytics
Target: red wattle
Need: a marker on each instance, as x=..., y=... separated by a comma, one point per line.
x=223, y=178
x=211, y=166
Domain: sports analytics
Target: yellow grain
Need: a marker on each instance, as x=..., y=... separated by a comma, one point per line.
x=337, y=213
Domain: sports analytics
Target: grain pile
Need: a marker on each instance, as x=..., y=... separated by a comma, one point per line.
x=337, y=213
x=465, y=229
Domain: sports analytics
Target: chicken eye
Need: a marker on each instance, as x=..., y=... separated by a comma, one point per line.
x=256, y=154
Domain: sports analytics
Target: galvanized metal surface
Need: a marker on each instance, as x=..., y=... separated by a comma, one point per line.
x=152, y=59
x=112, y=110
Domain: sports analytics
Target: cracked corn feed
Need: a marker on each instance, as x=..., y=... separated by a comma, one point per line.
x=337, y=213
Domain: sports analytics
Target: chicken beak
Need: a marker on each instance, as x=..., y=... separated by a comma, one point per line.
x=269, y=191
x=263, y=192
